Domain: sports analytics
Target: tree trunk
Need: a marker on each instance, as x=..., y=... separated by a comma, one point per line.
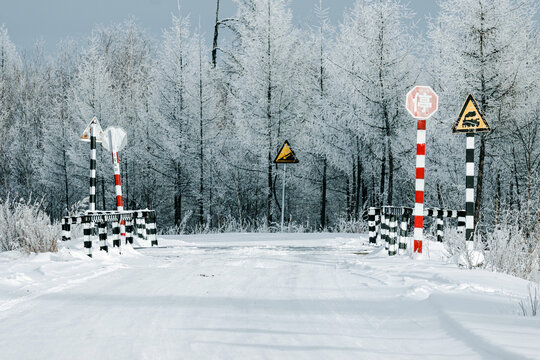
x=103, y=193
x=482, y=154
x=269, y=123
x=64, y=162
x=380, y=199
x=127, y=199
x=216, y=32
x=323, y=196
x=390, y=174
x=178, y=208
x=479, y=182
x=359, y=199
x=178, y=198
x=354, y=192
x=498, y=199
x=373, y=200
x=439, y=196
x=201, y=134
x=348, y=192
x=516, y=180
x=66, y=177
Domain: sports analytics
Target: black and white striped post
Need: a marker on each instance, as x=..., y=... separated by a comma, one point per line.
x=469, y=191
x=461, y=221
x=404, y=229
x=440, y=225
x=140, y=224
x=151, y=228
x=92, y=134
x=86, y=238
x=93, y=162
x=384, y=228
x=372, y=226
x=129, y=232
x=378, y=225
x=470, y=121
x=93, y=165
x=66, y=229
x=102, y=226
x=116, y=234
x=392, y=237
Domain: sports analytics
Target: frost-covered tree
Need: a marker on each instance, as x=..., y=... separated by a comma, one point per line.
x=320, y=92
x=10, y=73
x=374, y=59
x=184, y=101
x=264, y=87
x=172, y=105
x=33, y=107
x=127, y=51
x=55, y=174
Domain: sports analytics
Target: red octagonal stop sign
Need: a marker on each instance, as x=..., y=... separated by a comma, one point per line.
x=422, y=102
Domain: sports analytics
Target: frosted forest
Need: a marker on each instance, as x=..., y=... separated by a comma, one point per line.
x=205, y=118
x=206, y=111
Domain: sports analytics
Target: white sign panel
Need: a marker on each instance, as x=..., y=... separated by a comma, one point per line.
x=114, y=139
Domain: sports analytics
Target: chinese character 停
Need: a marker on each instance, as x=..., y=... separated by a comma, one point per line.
x=422, y=101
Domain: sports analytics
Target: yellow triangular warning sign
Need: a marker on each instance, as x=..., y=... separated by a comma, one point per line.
x=471, y=119
x=286, y=155
x=97, y=131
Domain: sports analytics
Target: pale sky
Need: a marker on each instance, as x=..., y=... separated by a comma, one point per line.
x=53, y=20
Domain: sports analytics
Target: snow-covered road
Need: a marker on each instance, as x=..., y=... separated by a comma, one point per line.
x=253, y=296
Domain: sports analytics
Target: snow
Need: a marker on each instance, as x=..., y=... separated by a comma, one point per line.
x=253, y=296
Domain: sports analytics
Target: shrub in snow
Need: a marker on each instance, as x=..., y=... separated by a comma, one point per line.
x=508, y=248
x=463, y=253
x=25, y=226
x=532, y=303
x=349, y=226
x=230, y=224
x=79, y=207
x=511, y=251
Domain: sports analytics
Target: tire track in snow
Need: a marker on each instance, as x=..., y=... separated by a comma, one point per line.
x=476, y=343
x=8, y=304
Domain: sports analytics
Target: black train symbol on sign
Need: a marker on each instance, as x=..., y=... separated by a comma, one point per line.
x=471, y=119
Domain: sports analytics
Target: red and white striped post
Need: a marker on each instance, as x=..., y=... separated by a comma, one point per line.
x=419, y=186
x=421, y=102
x=118, y=188
x=114, y=140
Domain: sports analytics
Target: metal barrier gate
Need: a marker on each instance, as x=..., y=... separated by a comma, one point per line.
x=139, y=222
x=383, y=225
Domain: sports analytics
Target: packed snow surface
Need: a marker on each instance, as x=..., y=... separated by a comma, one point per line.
x=253, y=296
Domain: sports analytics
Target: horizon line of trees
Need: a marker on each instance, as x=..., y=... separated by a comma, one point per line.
x=205, y=121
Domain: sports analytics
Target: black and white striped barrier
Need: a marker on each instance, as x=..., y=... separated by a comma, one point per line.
x=390, y=216
x=146, y=220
